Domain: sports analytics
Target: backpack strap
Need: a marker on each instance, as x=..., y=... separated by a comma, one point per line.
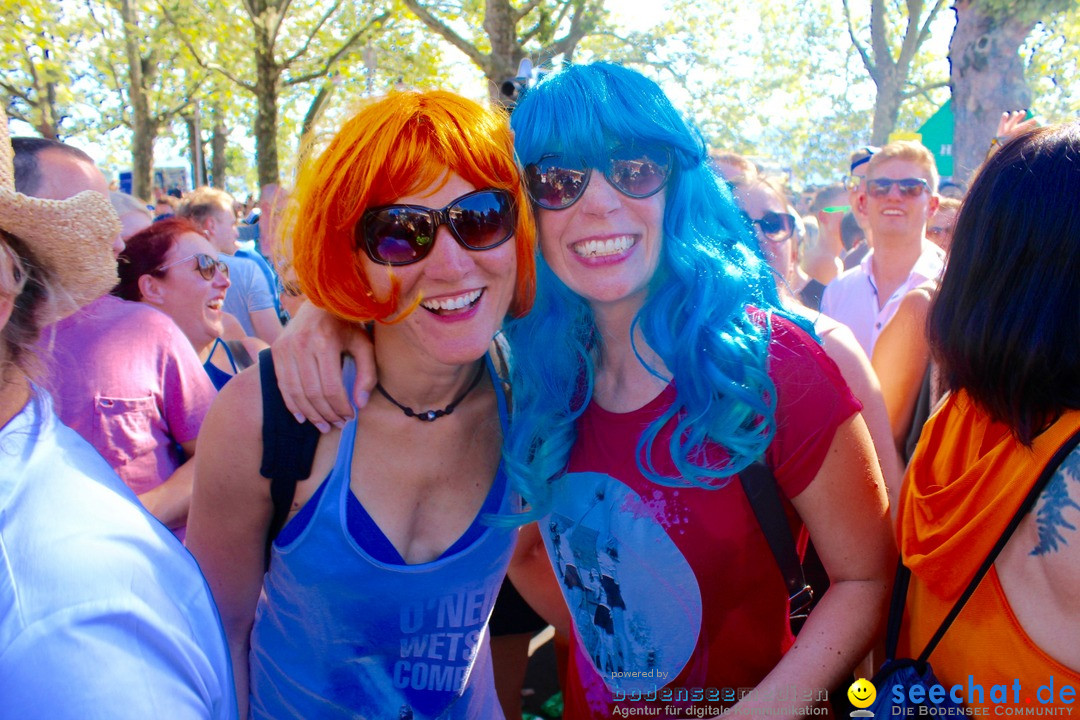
x=288, y=448
x=761, y=490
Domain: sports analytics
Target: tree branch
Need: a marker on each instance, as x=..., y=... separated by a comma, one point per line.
x=580, y=26
x=311, y=35
x=879, y=39
x=349, y=43
x=433, y=23
x=281, y=10
x=868, y=63
x=526, y=9
x=923, y=89
x=214, y=67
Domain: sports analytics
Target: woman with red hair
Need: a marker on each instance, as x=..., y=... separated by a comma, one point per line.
x=414, y=223
x=171, y=266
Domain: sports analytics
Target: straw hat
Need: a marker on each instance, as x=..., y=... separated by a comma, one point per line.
x=72, y=239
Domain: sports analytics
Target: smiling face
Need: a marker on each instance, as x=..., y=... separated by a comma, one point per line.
x=895, y=217
x=862, y=693
x=464, y=294
x=193, y=302
x=606, y=246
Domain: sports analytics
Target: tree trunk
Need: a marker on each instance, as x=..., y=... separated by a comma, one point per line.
x=506, y=53
x=267, y=73
x=987, y=78
x=887, y=105
x=144, y=130
x=218, y=142
x=195, y=146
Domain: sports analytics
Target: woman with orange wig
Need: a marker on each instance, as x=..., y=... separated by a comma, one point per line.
x=375, y=601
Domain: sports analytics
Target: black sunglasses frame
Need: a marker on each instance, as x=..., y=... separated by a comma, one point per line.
x=787, y=225
x=586, y=172
x=909, y=187
x=438, y=217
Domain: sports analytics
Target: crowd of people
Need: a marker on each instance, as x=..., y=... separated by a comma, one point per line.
x=596, y=376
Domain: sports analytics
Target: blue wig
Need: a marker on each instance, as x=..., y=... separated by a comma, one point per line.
x=694, y=317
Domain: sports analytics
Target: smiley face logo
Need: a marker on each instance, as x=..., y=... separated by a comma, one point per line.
x=862, y=693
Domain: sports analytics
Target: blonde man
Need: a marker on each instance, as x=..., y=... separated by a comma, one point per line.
x=250, y=298
x=897, y=198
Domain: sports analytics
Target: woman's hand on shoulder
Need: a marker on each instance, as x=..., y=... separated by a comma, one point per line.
x=307, y=359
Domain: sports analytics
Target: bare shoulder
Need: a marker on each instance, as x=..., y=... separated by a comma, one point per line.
x=237, y=409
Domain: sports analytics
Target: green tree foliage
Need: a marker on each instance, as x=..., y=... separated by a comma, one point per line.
x=268, y=46
x=149, y=74
x=38, y=48
x=779, y=81
x=888, y=46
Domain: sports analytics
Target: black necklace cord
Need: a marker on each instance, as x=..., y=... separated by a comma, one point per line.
x=433, y=415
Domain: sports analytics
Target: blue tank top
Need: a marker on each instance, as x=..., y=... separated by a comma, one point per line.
x=341, y=634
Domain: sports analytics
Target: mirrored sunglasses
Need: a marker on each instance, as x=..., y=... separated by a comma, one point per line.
x=205, y=265
x=404, y=234
x=775, y=227
x=909, y=187
x=556, y=182
x=852, y=182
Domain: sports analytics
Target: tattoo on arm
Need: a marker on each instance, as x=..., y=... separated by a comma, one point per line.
x=1056, y=501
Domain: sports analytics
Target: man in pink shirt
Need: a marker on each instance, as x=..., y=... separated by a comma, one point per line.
x=122, y=374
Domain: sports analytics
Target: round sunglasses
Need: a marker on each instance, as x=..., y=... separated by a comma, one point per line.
x=205, y=265
x=556, y=183
x=404, y=234
x=776, y=227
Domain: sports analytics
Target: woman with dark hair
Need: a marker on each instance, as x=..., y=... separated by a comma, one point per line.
x=171, y=266
x=1003, y=331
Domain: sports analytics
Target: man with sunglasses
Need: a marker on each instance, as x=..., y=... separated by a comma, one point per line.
x=896, y=199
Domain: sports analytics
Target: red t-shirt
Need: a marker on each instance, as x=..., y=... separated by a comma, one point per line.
x=676, y=588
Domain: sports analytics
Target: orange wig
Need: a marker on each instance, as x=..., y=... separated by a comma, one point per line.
x=394, y=147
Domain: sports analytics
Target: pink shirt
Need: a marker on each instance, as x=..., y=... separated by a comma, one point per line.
x=126, y=378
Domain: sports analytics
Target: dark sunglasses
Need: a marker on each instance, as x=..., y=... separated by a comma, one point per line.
x=205, y=265
x=404, y=234
x=909, y=187
x=556, y=183
x=776, y=227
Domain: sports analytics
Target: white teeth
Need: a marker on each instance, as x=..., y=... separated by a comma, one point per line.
x=454, y=303
x=597, y=248
x=215, y=304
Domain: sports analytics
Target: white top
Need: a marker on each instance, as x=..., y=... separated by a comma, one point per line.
x=103, y=614
x=852, y=298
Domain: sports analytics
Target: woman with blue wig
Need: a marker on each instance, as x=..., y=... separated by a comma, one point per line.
x=656, y=365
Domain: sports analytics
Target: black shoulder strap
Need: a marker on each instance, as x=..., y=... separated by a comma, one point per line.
x=288, y=448
x=240, y=354
x=764, y=495
x=903, y=574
